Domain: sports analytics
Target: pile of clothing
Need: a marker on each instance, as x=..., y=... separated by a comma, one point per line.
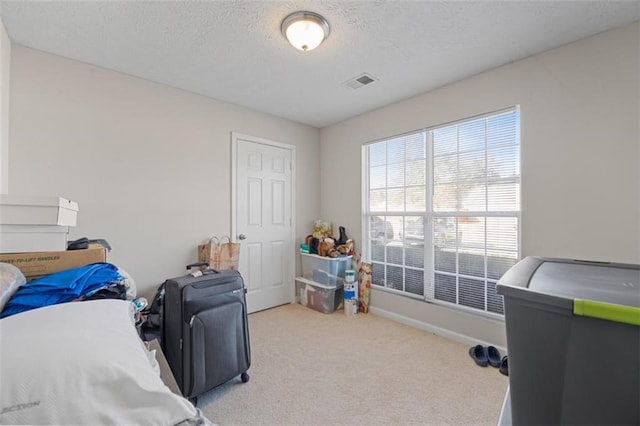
x=94, y=281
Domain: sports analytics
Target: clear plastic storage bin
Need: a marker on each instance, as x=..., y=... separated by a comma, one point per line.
x=322, y=298
x=325, y=270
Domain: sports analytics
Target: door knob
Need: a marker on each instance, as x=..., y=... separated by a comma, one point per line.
x=242, y=237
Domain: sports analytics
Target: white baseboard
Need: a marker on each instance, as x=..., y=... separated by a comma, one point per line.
x=439, y=331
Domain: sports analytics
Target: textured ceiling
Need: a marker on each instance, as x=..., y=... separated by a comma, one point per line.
x=234, y=51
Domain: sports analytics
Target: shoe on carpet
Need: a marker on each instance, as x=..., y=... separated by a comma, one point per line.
x=493, y=355
x=504, y=365
x=479, y=355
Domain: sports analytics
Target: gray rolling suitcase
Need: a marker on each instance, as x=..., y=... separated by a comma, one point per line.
x=205, y=330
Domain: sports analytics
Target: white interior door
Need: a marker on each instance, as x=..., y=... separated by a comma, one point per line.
x=262, y=219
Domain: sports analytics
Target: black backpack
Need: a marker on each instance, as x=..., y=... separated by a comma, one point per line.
x=152, y=325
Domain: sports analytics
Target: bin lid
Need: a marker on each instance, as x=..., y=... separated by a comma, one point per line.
x=340, y=258
x=597, y=289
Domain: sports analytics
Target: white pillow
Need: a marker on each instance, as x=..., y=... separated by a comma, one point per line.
x=82, y=363
x=11, y=278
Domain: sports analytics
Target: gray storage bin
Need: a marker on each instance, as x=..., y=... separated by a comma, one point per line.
x=573, y=338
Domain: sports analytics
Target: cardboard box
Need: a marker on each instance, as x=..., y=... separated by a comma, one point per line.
x=36, y=264
x=165, y=371
x=36, y=210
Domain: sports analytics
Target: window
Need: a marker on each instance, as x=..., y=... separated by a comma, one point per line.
x=442, y=212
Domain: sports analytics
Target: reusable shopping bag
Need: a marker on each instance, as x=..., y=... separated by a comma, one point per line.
x=220, y=254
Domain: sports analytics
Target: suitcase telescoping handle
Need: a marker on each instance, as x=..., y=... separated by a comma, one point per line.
x=207, y=270
x=193, y=265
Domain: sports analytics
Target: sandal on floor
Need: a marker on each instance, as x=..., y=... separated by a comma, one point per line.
x=479, y=355
x=504, y=365
x=493, y=355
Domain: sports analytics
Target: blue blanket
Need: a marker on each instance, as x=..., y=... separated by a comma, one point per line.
x=61, y=287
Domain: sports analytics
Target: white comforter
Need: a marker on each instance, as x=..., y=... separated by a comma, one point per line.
x=82, y=363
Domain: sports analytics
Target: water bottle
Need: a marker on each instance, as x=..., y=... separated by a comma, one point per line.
x=350, y=293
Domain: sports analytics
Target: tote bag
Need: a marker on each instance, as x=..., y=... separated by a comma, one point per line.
x=229, y=254
x=220, y=254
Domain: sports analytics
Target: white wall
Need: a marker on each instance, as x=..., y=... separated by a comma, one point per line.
x=5, y=80
x=580, y=157
x=149, y=165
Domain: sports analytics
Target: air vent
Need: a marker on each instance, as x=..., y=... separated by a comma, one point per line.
x=359, y=81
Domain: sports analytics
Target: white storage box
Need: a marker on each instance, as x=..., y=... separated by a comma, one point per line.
x=325, y=270
x=25, y=238
x=35, y=210
x=322, y=298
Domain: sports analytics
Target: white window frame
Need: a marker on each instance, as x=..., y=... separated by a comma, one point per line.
x=429, y=215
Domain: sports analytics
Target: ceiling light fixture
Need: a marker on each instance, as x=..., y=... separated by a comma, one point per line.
x=305, y=30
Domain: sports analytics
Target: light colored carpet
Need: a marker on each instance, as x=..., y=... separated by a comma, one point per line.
x=309, y=368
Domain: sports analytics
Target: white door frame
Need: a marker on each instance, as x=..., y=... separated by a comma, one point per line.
x=234, y=172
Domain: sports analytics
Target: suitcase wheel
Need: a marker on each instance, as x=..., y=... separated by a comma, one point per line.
x=244, y=377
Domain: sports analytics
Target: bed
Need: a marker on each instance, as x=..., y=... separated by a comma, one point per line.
x=83, y=363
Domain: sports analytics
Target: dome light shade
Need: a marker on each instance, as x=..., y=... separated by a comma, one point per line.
x=305, y=30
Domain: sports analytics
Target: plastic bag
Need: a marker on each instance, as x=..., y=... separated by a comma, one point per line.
x=321, y=229
x=129, y=283
x=11, y=278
